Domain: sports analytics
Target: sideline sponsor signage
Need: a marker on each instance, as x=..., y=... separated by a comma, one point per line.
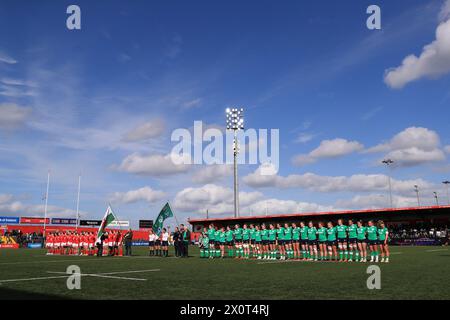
x=145, y=224
x=9, y=246
x=9, y=220
x=90, y=223
x=140, y=243
x=25, y=220
x=63, y=221
x=118, y=223
x=34, y=245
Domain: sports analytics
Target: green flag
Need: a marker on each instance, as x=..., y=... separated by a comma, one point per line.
x=107, y=219
x=165, y=213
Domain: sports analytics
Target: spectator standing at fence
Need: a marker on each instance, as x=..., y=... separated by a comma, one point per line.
x=127, y=239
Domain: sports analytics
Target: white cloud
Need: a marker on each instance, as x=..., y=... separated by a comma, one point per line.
x=146, y=194
x=329, y=149
x=444, y=14
x=447, y=149
x=192, y=103
x=219, y=200
x=12, y=115
x=317, y=183
x=376, y=201
x=412, y=146
x=277, y=206
x=434, y=61
x=6, y=58
x=148, y=130
x=216, y=199
x=9, y=205
x=304, y=137
x=152, y=165
x=211, y=173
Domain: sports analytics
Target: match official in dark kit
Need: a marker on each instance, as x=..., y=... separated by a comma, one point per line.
x=127, y=240
x=186, y=238
x=177, y=242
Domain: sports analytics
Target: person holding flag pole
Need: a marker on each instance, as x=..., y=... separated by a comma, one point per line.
x=107, y=219
x=166, y=212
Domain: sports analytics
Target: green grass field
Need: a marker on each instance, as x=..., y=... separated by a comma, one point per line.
x=413, y=273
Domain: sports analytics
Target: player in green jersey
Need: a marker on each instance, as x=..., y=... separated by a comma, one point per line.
x=222, y=241
x=312, y=241
x=229, y=238
x=280, y=240
x=341, y=230
x=265, y=241
x=361, y=238
x=272, y=242
x=296, y=240
x=288, y=241
x=246, y=241
x=258, y=242
x=322, y=235
x=204, y=243
x=372, y=239
x=238, y=241
x=252, y=241
x=383, y=237
x=352, y=241
x=304, y=241
x=216, y=242
x=211, y=233
x=331, y=241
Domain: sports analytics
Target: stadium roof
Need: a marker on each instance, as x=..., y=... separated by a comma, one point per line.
x=326, y=213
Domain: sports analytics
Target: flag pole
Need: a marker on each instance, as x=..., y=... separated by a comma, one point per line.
x=46, y=203
x=174, y=215
x=78, y=203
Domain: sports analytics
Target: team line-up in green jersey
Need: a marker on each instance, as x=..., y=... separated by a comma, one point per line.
x=349, y=242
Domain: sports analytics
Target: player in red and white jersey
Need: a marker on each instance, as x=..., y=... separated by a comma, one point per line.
x=110, y=240
x=76, y=243
x=49, y=243
x=91, y=240
x=117, y=242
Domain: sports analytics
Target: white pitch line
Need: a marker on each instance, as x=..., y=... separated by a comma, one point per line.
x=436, y=250
x=48, y=261
x=116, y=272
x=100, y=275
x=32, y=279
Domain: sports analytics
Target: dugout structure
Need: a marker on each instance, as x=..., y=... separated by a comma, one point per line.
x=434, y=215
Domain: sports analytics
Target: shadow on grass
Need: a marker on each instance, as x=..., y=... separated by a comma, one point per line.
x=12, y=294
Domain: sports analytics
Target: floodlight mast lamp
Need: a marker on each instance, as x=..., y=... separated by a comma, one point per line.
x=235, y=122
x=446, y=185
x=388, y=163
x=416, y=189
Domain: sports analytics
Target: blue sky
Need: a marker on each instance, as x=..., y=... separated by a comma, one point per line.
x=102, y=101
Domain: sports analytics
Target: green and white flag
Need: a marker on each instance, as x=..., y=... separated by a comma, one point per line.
x=107, y=219
x=165, y=213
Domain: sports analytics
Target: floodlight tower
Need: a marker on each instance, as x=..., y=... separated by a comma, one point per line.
x=235, y=122
x=416, y=189
x=388, y=163
x=436, y=198
x=446, y=184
